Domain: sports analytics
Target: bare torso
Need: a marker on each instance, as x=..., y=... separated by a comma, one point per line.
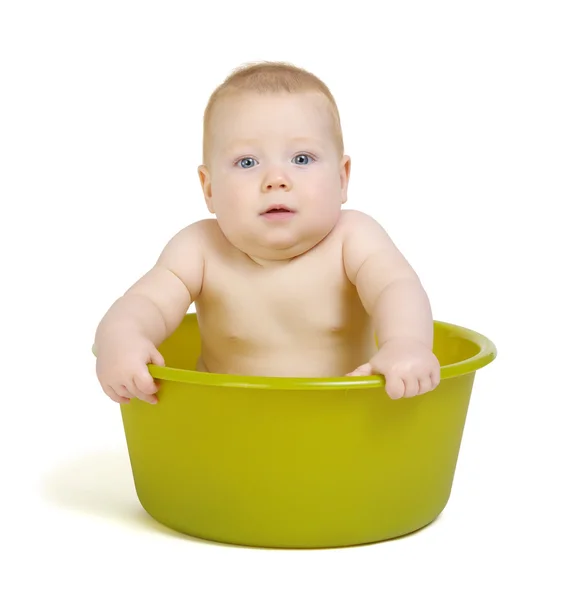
x=297, y=319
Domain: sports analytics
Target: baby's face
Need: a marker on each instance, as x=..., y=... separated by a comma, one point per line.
x=270, y=150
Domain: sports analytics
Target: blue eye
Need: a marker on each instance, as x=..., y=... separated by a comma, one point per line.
x=307, y=159
x=246, y=163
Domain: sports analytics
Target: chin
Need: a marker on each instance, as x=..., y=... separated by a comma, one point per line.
x=288, y=246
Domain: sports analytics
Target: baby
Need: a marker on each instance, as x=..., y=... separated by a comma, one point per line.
x=285, y=282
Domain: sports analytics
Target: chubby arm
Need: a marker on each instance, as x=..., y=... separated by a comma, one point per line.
x=156, y=304
x=388, y=286
x=393, y=296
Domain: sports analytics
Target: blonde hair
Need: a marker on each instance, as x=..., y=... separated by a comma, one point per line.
x=270, y=77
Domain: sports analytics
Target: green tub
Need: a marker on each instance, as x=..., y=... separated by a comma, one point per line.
x=298, y=463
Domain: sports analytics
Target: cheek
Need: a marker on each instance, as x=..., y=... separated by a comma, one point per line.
x=227, y=191
x=233, y=201
x=236, y=182
x=324, y=189
x=325, y=199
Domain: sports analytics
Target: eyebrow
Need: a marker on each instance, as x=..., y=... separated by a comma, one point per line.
x=254, y=141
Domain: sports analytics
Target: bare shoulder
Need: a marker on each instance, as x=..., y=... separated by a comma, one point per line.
x=185, y=253
x=190, y=241
x=199, y=230
x=355, y=220
x=359, y=229
x=365, y=240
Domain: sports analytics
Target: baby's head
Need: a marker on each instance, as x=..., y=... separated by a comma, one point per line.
x=272, y=136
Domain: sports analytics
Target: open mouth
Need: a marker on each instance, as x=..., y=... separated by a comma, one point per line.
x=278, y=213
x=277, y=209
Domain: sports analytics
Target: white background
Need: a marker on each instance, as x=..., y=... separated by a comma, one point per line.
x=460, y=120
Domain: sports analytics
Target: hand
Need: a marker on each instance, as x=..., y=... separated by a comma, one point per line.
x=121, y=368
x=409, y=367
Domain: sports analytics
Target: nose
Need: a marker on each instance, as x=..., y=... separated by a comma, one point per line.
x=276, y=181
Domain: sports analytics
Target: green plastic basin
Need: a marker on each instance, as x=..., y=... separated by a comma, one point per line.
x=298, y=463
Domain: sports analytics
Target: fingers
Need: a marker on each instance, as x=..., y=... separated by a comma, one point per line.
x=124, y=393
x=144, y=382
x=138, y=392
x=395, y=387
x=435, y=377
x=142, y=386
x=111, y=393
x=124, y=372
x=411, y=387
x=425, y=384
x=156, y=358
x=361, y=371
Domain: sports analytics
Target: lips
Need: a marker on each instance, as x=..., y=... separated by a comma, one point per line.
x=278, y=213
x=277, y=208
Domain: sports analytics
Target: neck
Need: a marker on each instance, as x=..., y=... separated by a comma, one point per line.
x=268, y=262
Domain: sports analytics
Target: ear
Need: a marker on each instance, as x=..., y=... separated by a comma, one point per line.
x=345, y=165
x=206, y=184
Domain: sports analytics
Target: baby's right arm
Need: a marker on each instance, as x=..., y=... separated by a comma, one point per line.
x=150, y=311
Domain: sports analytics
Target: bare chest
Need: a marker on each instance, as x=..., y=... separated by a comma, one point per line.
x=308, y=299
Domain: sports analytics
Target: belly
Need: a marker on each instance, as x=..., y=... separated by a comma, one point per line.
x=331, y=353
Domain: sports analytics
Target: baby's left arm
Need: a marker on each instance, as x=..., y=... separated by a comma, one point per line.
x=393, y=296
